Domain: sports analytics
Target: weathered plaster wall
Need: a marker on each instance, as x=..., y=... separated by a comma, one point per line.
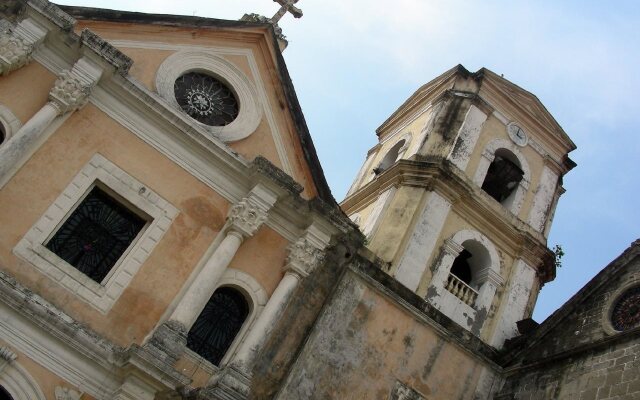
x=364, y=342
x=395, y=222
x=201, y=216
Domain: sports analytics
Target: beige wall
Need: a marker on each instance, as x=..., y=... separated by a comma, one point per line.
x=201, y=216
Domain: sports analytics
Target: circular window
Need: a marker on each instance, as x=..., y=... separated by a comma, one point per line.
x=213, y=91
x=206, y=99
x=625, y=313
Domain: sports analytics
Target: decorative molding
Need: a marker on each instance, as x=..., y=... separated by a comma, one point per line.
x=181, y=62
x=303, y=258
x=121, y=62
x=401, y=391
x=98, y=171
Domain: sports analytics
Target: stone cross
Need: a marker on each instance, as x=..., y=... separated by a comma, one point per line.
x=286, y=5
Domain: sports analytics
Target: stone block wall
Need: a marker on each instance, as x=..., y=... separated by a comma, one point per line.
x=612, y=373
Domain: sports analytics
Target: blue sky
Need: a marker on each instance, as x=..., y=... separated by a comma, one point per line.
x=354, y=62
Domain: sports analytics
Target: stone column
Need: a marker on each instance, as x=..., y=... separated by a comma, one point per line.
x=17, y=45
x=69, y=93
x=244, y=220
x=302, y=260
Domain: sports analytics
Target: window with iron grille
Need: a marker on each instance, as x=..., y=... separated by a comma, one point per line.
x=218, y=324
x=96, y=234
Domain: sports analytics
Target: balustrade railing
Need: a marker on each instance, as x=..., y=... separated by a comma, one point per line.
x=461, y=290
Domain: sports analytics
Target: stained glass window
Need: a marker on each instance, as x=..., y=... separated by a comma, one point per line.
x=206, y=99
x=96, y=234
x=218, y=324
x=626, y=312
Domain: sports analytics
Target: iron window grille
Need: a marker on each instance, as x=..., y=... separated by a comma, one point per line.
x=218, y=324
x=96, y=234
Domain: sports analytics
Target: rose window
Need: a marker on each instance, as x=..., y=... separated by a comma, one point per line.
x=206, y=99
x=626, y=311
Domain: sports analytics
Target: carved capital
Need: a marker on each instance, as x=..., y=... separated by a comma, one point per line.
x=15, y=52
x=69, y=93
x=64, y=393
x=245, y=217
x=7, y=355
x=303, y=258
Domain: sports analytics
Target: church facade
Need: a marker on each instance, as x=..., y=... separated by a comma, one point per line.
x=166, y=231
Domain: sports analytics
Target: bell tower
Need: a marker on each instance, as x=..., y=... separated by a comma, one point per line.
x=458, y=197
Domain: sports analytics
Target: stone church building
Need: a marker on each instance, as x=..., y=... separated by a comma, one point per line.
x=166, y=231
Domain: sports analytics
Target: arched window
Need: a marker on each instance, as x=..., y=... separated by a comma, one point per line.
x=218, y=324
x=4, y=395
x=389, y=158
x=503, y=177
x=467, y=267
x=461, y=267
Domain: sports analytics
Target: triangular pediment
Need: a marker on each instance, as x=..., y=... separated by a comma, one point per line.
x=243, y=55
x=521, y=101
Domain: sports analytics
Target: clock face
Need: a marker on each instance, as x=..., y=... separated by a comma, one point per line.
x=625, y=314
x=206, y=99
x=517, y=134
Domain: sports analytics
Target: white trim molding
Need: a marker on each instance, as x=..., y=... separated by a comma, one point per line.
x=98, y=172
x=16, y=380
x=181, y=62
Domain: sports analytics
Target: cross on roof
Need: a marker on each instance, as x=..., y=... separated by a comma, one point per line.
x=287, y=5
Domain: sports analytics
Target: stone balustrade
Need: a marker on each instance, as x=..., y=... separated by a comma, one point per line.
x=461, y=290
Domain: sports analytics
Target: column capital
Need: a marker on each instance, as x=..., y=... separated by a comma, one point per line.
x=246, y=217
x=452, y=247
x=7, y=355
x=303, y=258
x=15, y=52
x=69, y=93
x=491, y=276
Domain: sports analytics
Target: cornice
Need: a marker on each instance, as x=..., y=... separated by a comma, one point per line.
x=553, y=140
x=108, y=361
x=468, y=200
